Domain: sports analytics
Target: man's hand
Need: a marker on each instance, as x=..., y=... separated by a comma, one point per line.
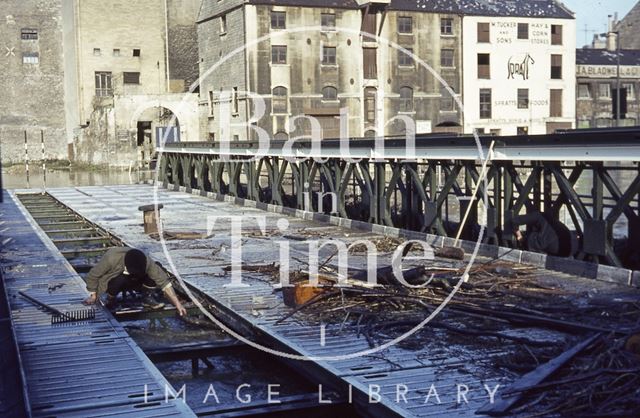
x=181, y=310
x=92, y=299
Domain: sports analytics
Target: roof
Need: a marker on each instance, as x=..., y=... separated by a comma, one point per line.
x=514, y=8
x=592, y=56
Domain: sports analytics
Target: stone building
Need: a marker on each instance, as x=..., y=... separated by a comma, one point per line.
x=306, y=58
x=32, y=80
x=519, y=68
x=130, y=77
x=103, y=79
x=597, y=81
x=629, y=28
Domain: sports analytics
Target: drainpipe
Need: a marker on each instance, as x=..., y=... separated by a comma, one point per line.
x=166, y=43
x=246, y=72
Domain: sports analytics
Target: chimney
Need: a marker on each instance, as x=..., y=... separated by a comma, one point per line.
x=612, y=40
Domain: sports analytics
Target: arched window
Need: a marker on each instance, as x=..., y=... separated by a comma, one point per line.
x=406, y=99
x=279, y=101
x=329, y=93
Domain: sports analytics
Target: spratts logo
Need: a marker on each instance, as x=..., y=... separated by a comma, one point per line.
x=520, y=68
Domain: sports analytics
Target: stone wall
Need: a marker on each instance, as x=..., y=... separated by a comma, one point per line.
x=32, y=96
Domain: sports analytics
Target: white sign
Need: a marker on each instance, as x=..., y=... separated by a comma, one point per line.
x=607, y=71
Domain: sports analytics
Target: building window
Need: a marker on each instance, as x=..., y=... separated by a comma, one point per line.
x=604, y=123
x=29, y=34
x=278, y=54
x=556, y=34
x=522, y=130
x=330, y=93
x=446, y=26
x=97, y=52
x=631, y=93
x=278, y=20
x=103, y=84
x=370, y=63
x=484, y=66
x=136, y=52
x=370, y=104
x=211, y=110
x=281, y=136
x=406, y=99
x=604, y=90
x=369, y=22
x=405, y=24
x=446, y=100
x=328, y=55
x=523, y=31
x=223, y=25
x=584, y=124
x=30, y=58
x=446, y=58
x=131, y=78
x=279, y=100
x=556, y=67
x=116, y=52
x=235, y=105
x=523, y=98
x=485, y=103
x=555, y=101
x=584, y=91
x=404, y=58
x=484, y=32
x=328, y=21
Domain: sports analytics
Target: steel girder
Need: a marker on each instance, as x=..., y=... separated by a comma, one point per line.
x=433, y=195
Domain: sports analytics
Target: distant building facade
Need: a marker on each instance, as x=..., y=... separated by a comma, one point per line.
x=519, y=69
x=32, y=80
x=597, y=80
x=328, y=67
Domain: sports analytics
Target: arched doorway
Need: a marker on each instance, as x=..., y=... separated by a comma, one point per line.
x=154, y=127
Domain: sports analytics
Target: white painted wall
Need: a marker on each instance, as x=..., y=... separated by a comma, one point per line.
x=505, y=46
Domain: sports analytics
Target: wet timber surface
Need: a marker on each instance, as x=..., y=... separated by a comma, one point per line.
x=505, y=322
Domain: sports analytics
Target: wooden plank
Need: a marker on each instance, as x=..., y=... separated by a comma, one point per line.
x=508, y=398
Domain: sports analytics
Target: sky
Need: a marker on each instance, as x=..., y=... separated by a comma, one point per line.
x=593, y=14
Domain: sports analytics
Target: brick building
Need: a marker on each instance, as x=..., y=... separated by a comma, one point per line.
x=596, y=75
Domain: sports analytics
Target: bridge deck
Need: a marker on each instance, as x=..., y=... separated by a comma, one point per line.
x=444, y=363
x=89, y=368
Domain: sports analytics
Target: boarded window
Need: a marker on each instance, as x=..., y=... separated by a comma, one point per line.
x=329, y=93
x=281, y=136
x=405, y=24
x=485, y=103
x=556, y=66
x=484, y=32
x=103, y=83
x=556, y=34
x=131, y=78
x=446, y=58
x=484, y=66
x=446, y=26
x=523, y=31
x=446, y=100
x=555, y=99
x=405, y=58
x=406, y=99
x=278, y=20
x=328, y=21
x=584, y=91
x=278, y=54
x=523, y=98
x=279, y=100
x=370, y=64
x=329, y=55
x=370, y=104
x=29, y=34
x=369, y=22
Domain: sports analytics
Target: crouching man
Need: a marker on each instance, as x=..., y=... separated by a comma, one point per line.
x=129, y=269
